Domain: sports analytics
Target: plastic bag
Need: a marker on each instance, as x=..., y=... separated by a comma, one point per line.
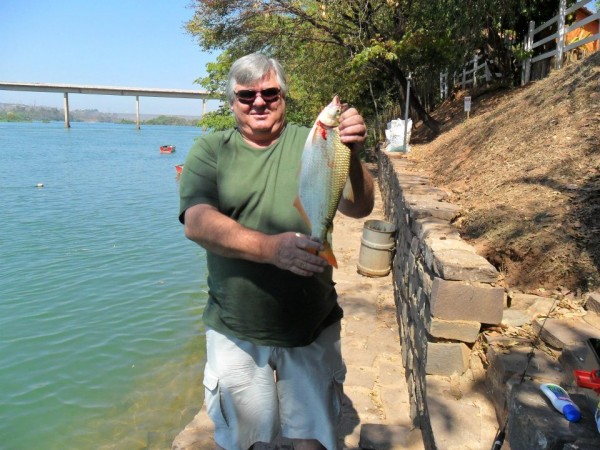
x=394, y=135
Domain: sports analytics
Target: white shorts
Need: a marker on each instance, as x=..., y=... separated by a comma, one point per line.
x=253, y=392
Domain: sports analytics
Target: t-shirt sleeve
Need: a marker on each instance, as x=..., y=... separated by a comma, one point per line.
x=198, y=182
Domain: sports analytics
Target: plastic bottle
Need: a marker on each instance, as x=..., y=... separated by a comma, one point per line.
x=561, y=401
x=597, y=417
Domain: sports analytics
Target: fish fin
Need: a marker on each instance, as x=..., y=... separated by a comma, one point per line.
x=310, y=139
x=327, y=255
x=348, y=192
x=300, y=208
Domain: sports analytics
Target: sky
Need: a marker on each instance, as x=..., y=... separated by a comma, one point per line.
x=125, y=43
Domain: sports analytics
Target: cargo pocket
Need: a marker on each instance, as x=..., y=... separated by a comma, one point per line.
x=339, y=376
x=212, y=398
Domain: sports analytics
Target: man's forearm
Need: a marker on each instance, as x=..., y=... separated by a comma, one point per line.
x=224, y=236
x=362, y=187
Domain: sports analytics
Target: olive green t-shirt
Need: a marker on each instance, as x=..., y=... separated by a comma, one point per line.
x=257, y=302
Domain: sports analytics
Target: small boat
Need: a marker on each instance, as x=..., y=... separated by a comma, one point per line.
x=179, y=168
x=167, y=148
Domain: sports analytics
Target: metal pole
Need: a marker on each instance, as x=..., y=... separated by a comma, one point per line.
x=406, y=112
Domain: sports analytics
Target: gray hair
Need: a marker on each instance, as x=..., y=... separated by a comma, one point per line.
x=250, y=69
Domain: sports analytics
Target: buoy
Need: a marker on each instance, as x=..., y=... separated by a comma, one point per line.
x=39, y=185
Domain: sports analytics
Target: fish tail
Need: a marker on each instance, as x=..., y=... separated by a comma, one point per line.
x=327, y=252
x=327, y=255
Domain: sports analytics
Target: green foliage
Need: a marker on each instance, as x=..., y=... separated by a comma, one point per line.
x=359, y=49
x=219, y=120
x=10, y=116
x=520, y=53
x=216, y=79
x=25, y=113
x=169, y=120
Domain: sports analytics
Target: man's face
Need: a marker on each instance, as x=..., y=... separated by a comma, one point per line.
x=260, y=122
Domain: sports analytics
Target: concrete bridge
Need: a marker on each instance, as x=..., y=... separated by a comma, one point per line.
x=136, y=92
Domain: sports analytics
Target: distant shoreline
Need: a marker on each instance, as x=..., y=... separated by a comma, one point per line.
x=13, y=112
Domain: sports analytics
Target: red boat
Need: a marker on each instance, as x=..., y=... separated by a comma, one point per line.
x=167, y=148
x=178, y=168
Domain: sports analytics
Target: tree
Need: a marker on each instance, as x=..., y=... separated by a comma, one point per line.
x=360, y=49
x=327, y=47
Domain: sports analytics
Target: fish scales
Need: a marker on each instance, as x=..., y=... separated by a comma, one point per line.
x=323, y=176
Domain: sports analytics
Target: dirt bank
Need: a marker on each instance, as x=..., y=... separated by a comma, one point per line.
x=525, y=168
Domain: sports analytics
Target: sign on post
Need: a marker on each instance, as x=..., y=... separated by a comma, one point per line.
x=467, y=105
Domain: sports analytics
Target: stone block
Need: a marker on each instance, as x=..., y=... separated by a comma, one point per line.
x=395, y=405
x=425, y=278
x=362, y=403
x=391, y=373
x=447, y=358
x=456, y=300
x=349, y=429
x=463, y=265
x=593, y=318
x=197, y=434
x=515, y=317
x=592, y=303
x=383, y=340
x=411, y=182
x=534, y=424
x=508, y=357
x=361, y=357
x=432, y=226
x=414, y=245
x=456, y=425
x=387, y=437
x=358, y=376
x=530, y=304
x=429, y=207
x=426, y=192
x=560, y=333
x=458, y=330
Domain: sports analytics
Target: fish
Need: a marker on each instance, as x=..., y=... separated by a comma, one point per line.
x=324, y=177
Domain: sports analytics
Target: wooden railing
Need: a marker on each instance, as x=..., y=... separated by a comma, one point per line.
x=476, y=69
x=559, y=37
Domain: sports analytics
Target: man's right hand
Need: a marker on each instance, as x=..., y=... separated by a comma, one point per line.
x=297, y=253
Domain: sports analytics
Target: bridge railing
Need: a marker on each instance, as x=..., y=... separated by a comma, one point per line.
x=136, y=92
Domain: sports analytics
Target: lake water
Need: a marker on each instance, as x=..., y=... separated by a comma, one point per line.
x=101, y=295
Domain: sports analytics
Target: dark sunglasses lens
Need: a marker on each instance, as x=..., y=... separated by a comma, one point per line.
x=268, y=95
x=247, y=95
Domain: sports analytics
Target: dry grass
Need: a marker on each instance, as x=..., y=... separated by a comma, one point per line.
x=525, y=168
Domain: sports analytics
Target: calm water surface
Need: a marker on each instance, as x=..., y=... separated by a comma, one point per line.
x=101, y=295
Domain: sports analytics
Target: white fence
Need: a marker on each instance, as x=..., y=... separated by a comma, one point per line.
x=558, y=37
x=475, y=69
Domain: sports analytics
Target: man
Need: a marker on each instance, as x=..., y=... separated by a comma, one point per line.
x=273, y=323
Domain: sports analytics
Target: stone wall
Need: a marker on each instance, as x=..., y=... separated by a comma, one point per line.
x=443, y=289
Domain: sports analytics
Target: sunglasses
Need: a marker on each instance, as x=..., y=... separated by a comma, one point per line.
x=247, y=96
